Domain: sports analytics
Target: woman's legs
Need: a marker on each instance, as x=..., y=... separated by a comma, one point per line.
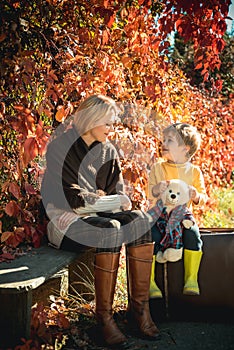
x=139, y=252
x=101, y=232
x=110, y=231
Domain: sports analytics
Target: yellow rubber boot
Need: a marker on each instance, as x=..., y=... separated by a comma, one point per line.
x=192, y=259
x=155, y=292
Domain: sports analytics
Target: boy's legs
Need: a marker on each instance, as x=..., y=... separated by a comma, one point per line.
x=192, y=257
x=155, y=292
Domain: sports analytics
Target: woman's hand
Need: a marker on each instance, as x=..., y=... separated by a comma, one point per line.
x=126, y=203
x=65, y=220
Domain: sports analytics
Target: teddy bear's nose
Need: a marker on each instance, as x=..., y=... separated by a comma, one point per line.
x=173, y=196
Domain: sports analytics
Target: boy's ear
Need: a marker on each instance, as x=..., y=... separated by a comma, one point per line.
x=187, y=149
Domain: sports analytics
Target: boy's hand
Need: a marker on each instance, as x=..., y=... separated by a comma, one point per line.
x=158, y=189
x=194, y=195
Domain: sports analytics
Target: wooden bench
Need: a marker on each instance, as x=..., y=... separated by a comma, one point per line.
x=18, y=279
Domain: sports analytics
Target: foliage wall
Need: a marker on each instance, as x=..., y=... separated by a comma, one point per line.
x=54, y=53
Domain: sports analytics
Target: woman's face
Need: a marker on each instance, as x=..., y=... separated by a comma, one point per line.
x=101, y=131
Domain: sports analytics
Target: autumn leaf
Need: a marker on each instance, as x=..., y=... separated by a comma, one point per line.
x=12, y=208
x=6, y=256
x=30, y=149
x=3, y=36
x=15, y=190
x=199, y=65
x=29, y=188
x=6, y=235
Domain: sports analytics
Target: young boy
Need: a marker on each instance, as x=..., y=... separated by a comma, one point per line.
x=180, y=142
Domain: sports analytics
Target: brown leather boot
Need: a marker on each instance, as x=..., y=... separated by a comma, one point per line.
x=139, y=270
x=105, y=274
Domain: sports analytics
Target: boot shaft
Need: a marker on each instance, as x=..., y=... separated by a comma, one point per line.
x=192, y=260
x=105, y=275
x=139, y=263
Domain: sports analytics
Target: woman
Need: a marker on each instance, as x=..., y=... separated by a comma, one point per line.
x=83, y=193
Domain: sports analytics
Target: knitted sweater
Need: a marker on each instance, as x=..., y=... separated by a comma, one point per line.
x=75, y=174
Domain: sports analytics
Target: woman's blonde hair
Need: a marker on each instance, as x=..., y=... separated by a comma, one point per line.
x=186, y=134
x=92, y=110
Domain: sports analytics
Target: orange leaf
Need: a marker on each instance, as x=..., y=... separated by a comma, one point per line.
x=105, y=37
x=60, y=114
x=2, y=37
x=198, y=66
x=30, y=149
x=6, y=235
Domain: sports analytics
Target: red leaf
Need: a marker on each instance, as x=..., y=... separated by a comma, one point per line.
x=30, y=149
x=12, y=208
x=15, y=190
x=63, y=322
x=36, y=240
x=29, y=189
x=111, y=20
x=3, y=36
x=198, y=66
x=7, y=256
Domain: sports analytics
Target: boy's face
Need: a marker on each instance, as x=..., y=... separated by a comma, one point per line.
x=172, y=150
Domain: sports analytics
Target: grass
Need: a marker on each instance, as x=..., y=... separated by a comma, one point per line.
x=223, y=215
x=78, y=298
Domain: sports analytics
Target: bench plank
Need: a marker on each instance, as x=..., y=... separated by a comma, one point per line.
x=33, y=269
x=17, y=280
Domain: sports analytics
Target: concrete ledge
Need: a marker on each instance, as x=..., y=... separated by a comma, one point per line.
x=216, y=280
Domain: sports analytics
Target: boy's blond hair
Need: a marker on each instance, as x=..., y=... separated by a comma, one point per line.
x=186, y=134
x=92, y=110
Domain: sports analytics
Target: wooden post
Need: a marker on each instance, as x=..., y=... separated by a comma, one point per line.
x=15, y=317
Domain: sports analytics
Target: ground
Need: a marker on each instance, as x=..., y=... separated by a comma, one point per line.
x=174, y=335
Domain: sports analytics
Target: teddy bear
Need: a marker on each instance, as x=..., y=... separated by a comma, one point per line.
x=171, y=214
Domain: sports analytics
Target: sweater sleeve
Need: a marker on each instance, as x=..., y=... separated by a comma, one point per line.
x=102, y=204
